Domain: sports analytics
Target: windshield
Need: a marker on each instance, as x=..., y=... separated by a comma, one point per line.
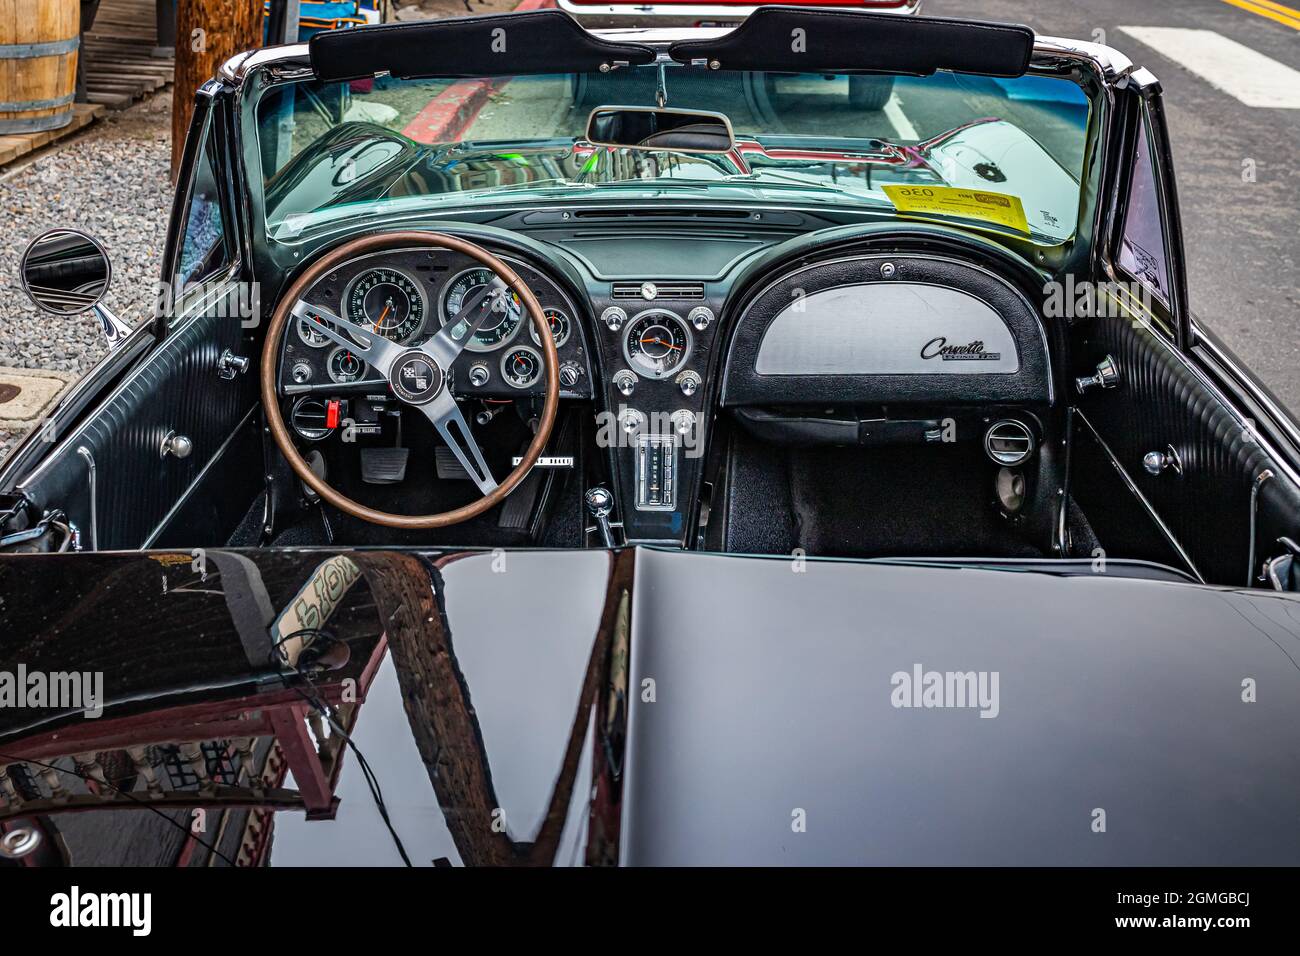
x=996, y=154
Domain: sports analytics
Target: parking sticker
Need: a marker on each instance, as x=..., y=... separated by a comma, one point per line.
x=998, y=208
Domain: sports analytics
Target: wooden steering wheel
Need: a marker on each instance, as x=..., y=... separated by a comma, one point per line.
x=417, y=375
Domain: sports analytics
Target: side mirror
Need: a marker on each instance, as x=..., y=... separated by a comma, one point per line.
x=645, y=127
x=66, y=272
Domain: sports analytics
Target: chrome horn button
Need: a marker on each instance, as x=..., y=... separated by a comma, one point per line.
x=415, y=377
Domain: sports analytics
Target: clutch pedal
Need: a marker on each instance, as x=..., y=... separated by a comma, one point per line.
x=384, y=466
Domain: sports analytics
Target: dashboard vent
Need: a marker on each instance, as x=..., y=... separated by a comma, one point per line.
x=1009, y=442
x=308, y=419
x=653, y=291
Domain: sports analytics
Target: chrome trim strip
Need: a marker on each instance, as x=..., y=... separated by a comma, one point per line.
x=1137, y=493
x=1280, y=416
x=84, y=452
x=198, y=479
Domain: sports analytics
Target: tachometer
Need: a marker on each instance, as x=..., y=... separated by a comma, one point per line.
x=499, y=327
x=657, y=343
x=559, y=323
x=388, y=302
x=521, y=367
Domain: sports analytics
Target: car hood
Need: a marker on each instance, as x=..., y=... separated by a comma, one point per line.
x=643, y=707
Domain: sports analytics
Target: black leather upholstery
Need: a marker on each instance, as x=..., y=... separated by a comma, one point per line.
x=177, y=388
x=1162, y=401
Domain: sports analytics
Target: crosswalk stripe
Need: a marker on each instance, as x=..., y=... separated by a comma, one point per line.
x=894, y=113
x=1274, y=11
x=1249, y=76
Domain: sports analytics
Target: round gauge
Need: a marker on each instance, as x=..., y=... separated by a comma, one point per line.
x=344, y=366
x=559, y=323
x=657, y=343
x=500, y=326
x=521, y=366
x=388, y=302
x=310, y=335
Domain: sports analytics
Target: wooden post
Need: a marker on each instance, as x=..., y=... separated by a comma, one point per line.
x=208, y=32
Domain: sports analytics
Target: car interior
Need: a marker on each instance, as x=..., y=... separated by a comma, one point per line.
x=756, y=379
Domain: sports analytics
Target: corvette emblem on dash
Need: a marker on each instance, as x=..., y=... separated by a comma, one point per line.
x=970, y=352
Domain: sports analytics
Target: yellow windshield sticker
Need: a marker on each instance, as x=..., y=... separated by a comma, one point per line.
x=997, y=208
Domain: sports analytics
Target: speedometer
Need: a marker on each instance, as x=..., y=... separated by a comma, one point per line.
x=506, y=311
x=388, y=302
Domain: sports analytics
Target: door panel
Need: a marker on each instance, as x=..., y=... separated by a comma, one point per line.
x=177, y=388
x=1161, y=401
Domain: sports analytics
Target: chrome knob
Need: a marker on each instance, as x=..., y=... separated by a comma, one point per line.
x=683, y=421
x=177, y=445
x=689, y=383
x=614, y=317
x=229, y=365
x=1158, y=462
x=569, y=375
x=301, y=372
x=701, y=317
x=631, y=420
x=625, y=382
x=600, y=503
x=1107, y=376
x=479, y=374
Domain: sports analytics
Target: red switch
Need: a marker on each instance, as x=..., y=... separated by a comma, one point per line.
x=332, y=413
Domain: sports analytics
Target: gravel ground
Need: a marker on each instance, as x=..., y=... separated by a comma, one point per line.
x=113, y=182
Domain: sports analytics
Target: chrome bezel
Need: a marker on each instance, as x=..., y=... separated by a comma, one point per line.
x=559, y=339
x=346, y=303
x=474, y=345
x=329, y=367
x=638, y=367
x=302, y=337
x=505, y=376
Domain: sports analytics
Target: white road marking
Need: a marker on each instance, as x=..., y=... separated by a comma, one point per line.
x=902, y=125
x=1227, y=65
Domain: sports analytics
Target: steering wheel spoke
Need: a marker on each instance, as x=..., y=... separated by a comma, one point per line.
x=446, y=346
x=368, y=344
x=451, y=425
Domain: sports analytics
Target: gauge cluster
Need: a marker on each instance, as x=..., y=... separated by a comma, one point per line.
x=408, y=296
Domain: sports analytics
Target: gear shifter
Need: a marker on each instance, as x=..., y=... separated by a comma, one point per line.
x=600, y=503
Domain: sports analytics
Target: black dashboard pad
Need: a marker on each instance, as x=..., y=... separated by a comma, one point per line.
x=805, y=40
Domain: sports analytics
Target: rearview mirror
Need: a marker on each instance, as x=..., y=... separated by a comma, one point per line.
x=644, y=127
x=65, y=272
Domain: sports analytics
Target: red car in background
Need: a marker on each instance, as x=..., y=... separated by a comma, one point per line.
x=691, y=13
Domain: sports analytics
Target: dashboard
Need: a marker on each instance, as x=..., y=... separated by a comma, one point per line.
x=407, y=296
x=663, y=356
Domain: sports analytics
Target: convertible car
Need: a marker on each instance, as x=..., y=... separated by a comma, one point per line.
x=641, y=447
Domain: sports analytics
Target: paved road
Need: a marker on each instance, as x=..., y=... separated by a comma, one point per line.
x=1243, y=238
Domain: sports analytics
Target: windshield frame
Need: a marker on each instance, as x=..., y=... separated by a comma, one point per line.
x=1098, y=70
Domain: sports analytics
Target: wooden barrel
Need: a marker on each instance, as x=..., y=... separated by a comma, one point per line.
x=39, y=41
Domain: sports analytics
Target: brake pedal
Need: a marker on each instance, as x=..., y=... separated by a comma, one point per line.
x=383, y=466
x=447, y=465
